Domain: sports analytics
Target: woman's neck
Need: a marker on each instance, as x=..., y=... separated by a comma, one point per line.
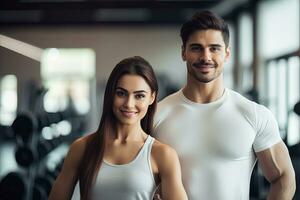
x=129, y=132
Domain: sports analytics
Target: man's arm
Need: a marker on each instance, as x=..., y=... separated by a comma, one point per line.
x=277, y=167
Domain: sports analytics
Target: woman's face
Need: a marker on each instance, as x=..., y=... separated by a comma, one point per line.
x=132, y=98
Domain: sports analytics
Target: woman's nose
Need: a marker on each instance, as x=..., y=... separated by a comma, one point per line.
x=129, y=102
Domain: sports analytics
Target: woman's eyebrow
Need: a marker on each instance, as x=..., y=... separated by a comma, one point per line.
x=138, y=91
x=120, y=88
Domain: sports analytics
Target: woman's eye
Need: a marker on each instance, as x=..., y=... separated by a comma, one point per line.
x=139, y=96
x=120, y=93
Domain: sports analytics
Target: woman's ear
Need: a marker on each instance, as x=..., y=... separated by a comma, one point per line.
x=153, y=95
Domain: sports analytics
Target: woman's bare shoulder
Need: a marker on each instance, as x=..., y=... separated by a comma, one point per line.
x=80, y=143
x=161, y=151
x=77, y=148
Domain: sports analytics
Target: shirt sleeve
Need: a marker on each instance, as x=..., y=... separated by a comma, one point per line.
x=267, y=131
x=156, y=120
x=155, y=125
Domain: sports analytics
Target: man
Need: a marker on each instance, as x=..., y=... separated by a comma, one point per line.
x=217, y=133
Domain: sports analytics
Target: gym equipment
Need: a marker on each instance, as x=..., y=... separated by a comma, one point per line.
x=12, y=187
x=6, y=133
x=33, y=149
x=297, y=108
x=38, y=193
x=26, y=124
x=42, y=183
x=27, y=156
x=45, y=183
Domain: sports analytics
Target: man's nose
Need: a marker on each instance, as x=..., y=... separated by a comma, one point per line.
x=206, y=55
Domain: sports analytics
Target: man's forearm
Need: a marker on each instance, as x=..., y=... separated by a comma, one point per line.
x=283, y=188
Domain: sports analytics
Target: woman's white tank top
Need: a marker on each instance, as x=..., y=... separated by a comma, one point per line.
x=131, y=181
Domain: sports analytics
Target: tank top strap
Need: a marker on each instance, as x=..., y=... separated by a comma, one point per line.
x=144, y=151
x=148, y=146
x=150, y=141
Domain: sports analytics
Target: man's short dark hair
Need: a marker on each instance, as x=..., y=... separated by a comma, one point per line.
x=203, y=21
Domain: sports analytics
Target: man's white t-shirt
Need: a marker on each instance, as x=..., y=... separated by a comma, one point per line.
x=216, y=142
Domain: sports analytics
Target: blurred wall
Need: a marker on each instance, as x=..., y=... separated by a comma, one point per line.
x=159, y=45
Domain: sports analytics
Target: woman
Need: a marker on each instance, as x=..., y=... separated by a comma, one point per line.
x=120, y=160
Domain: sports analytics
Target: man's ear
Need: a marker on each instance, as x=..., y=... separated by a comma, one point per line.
x=227, y=53
x=183, y=53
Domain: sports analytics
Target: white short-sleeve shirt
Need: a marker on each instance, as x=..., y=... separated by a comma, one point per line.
x=216, y=142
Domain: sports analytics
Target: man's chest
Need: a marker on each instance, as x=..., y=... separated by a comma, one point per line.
x=199, y=134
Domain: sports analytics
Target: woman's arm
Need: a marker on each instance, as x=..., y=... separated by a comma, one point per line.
x=63, y=187
x=170, y=173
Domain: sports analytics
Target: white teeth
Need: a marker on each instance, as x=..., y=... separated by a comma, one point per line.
x=198, y=66
x=128, y=113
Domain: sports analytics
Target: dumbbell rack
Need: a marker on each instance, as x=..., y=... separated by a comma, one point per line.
x=32, y=150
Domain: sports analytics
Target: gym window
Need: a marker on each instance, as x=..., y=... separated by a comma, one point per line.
x=281, y=72
x=8, y=99
x=67, y=76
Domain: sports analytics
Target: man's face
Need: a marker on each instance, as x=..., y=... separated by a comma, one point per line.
x=205, y=54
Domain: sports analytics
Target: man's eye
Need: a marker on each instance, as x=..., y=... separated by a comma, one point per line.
x=195, y=48
x=214, y=49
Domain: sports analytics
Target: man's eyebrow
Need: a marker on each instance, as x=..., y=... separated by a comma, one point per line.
x=215, y=45
x=210, y=45
x=196, y=44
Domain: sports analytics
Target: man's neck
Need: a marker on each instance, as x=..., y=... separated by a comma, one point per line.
x=204, y=92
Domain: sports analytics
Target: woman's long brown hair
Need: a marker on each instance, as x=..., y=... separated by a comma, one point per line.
x=95, y=147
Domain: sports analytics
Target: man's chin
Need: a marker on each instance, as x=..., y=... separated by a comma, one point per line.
x=204, y=79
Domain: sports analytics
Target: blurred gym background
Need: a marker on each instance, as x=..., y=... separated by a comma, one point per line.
x=55, y=56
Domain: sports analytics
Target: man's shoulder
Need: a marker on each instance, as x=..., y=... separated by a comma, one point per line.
x=166, y=106
x=239, y=96
x=247, y=106
x=240, y=99
x=242, y=105
x=170, y=100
